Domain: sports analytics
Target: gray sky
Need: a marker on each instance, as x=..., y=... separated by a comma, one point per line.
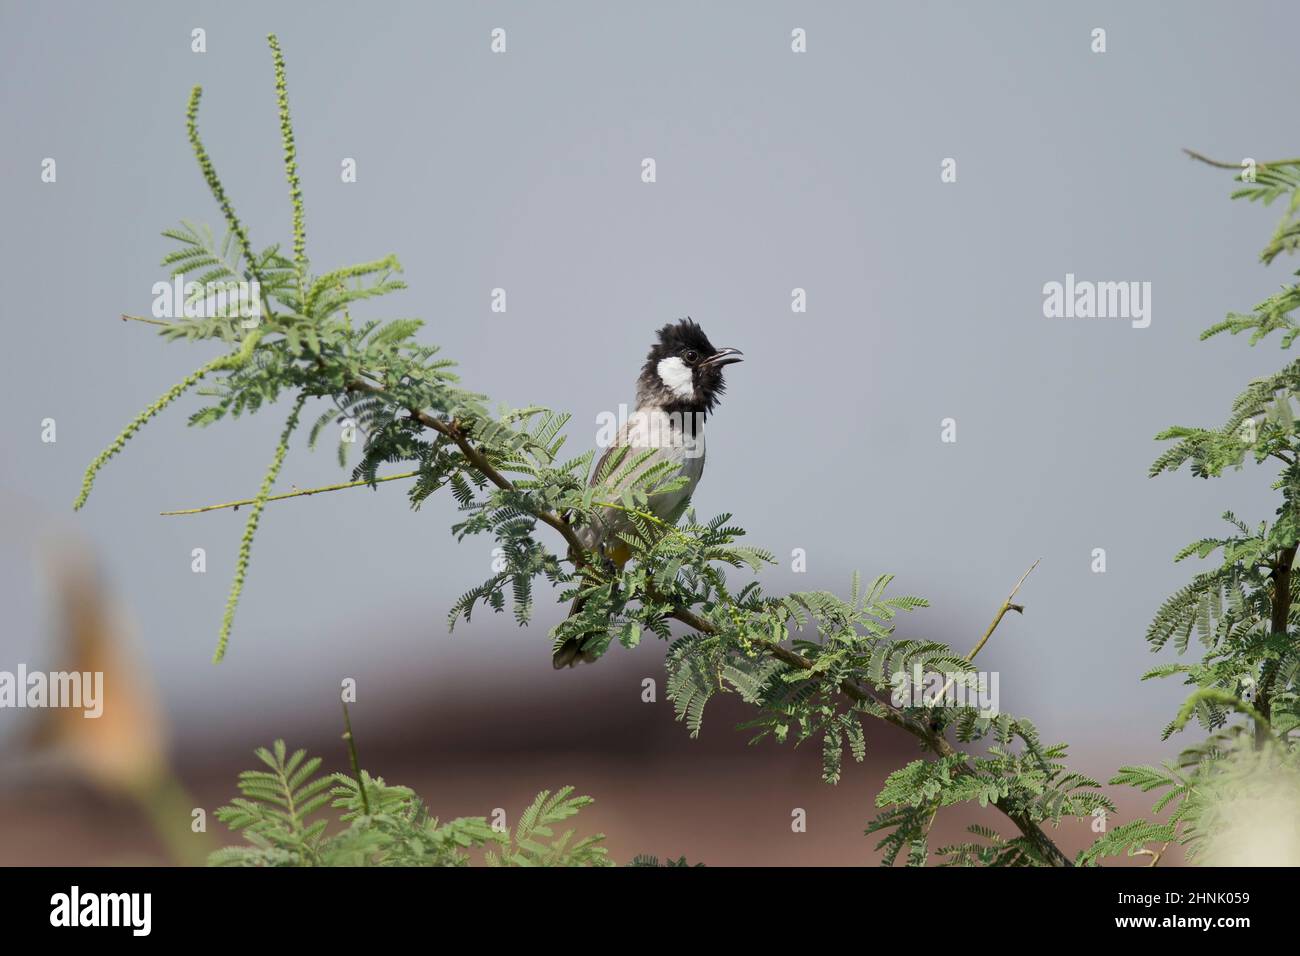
x=775, y=170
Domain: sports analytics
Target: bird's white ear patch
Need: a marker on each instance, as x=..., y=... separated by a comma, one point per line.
x=674, y=373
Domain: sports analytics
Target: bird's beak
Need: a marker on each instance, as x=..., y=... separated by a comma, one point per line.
x=724, y=357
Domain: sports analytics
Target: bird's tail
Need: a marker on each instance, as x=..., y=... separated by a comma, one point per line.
x=578, y=648
x=572, y=651
x=575, y=649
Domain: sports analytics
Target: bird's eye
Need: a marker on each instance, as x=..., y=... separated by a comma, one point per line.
x=691, y=356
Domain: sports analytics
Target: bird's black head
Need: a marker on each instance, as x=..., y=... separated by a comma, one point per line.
x=683, y=372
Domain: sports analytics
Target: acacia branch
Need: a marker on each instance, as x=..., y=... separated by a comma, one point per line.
x=933, y=741
x=452, y=429
x=884, y=709
x=448, y=428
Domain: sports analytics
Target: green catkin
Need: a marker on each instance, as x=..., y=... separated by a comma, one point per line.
x=214, y=184
x=290, y=166
x=250, y=529
x=176, y=391
x=173, y=393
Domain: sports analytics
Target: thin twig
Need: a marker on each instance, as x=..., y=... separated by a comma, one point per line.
x=1237, y=166
x=144, y=318
x=290, y=494
x=1154, y=854
x=1007, y=605
x=925, y=830
x=352, y=756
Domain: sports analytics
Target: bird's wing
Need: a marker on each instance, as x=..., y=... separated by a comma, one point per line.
x=599, y=466
x=592, y=534
x=619, y=442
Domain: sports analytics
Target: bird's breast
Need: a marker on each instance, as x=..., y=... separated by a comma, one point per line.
x=672, y=441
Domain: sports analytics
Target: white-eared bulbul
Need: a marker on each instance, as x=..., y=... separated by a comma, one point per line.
x=679, y=385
